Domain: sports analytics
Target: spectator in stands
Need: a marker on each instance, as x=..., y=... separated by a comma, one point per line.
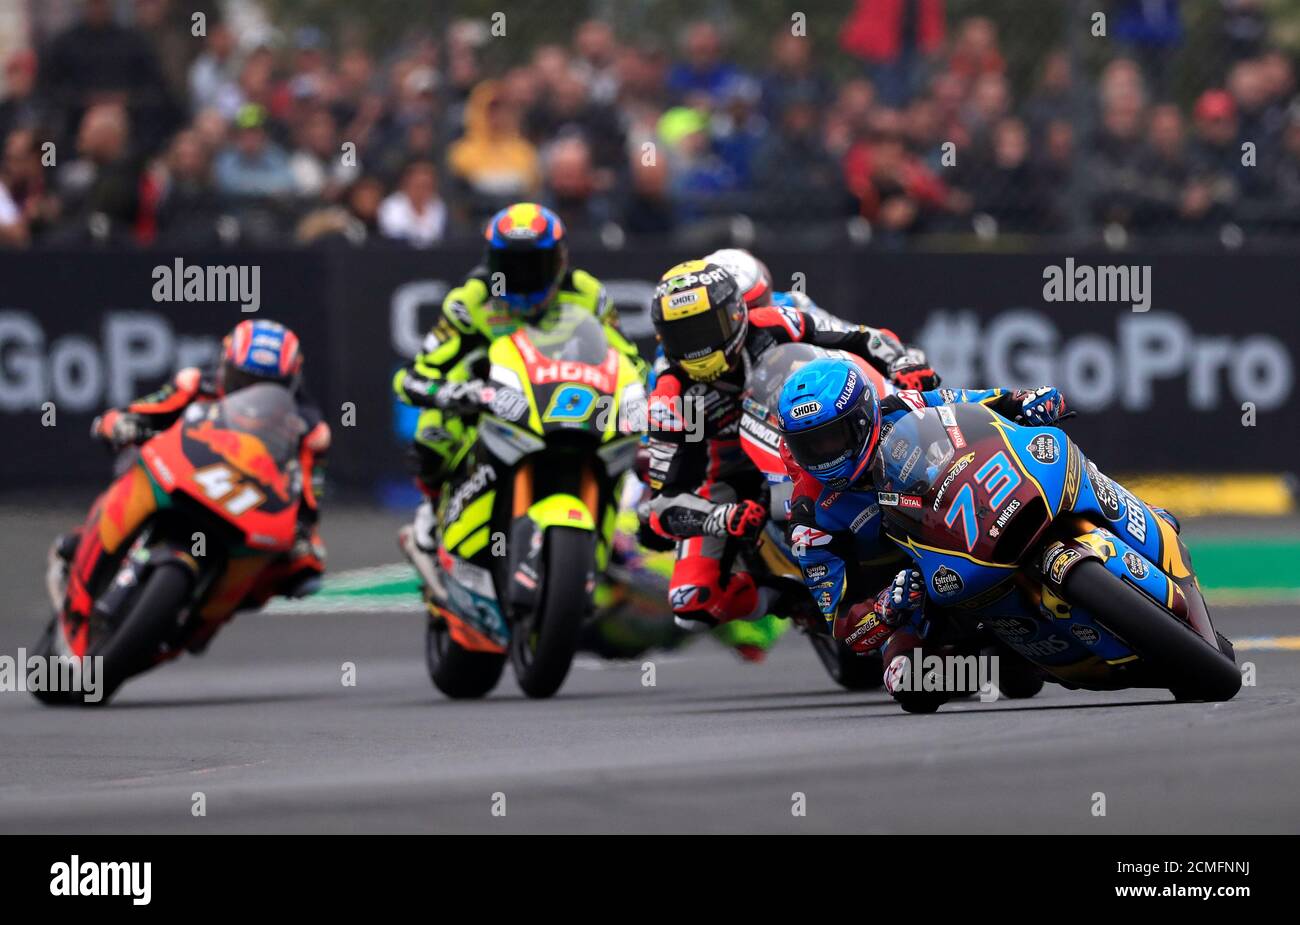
x=188, y=207
x=320, y=167
x=796, y=177
x=252, y=165
x=20, y=107
x=739, y=131
x=895, y=191
x=494, y=163
x=703, y=73
x=99, y=190
x=415, y=213
x=699, y=179
x=1116, y=146
x=97, y=57
x=25, y=180
x=649, y=207
x=1216, y=154
x=1151, y=29
x=214, y=77
x=1051, y=98
x=1167, y=193
x=572, y=188
x=597, y=53
x=792, y=72
x=894, y=38
x=1010, y=189
x=568, y=110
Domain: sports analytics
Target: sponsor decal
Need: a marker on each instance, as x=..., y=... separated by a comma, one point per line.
x=1044, y=448
x=761, y=433
x=1057, y=564
x=946, y=582
x=912, y=501
x=887, y=498
x=477, y=482
x=1136, y=565
x=1085, y=634
x=805, y=409
x=912, y=398
x=1137, y=518
x=828, y=500
x=815, y=572
x=1014, y=629
x=1107, y=493
x=908, y=466
x=957, y=438
x=946, y=417
x=861, y=520
x=957, y=468
x=824, y=601
x=803, y=537
x=948, y=395
x=1005, y=517
x=846, y=393
x=898, y=450
x=1073, y=469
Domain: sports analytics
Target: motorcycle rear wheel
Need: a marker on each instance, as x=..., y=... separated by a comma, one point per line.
x=1192, y=668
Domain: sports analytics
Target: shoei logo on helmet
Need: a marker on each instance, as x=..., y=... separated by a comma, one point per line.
x=686, y=304
x=805, y=409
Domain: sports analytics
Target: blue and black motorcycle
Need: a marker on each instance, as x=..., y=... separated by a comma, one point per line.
x=1021, y=538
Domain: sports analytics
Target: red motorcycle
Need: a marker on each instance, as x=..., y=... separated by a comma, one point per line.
x=196, y=529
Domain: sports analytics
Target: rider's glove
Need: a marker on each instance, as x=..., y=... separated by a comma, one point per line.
x=741, y=519
x=911, y=371
x=1039, y=407
x=121, y=428
x=902, y=598
x=463, y=397
x=867, y=625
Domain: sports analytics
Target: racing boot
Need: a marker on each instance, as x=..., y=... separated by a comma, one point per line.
x=419, y=542
x=59, y=562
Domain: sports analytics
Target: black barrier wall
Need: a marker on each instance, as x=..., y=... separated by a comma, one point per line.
x=1200, y=377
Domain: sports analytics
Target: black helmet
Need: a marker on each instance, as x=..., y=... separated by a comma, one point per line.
x=699, y=314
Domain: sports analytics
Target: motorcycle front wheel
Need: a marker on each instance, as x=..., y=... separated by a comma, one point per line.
x=543, y=643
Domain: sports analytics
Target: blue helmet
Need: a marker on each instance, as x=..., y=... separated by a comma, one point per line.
x=526, y=246
x=830, y=419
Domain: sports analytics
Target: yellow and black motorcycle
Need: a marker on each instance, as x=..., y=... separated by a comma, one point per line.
x=527, y=521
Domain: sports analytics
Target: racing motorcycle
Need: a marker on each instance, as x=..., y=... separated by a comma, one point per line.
x=770, y=560
x=1022, y=537
x=183, y=538
x=526, y=523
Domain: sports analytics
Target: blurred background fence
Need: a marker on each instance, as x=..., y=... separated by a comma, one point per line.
x=879, y=123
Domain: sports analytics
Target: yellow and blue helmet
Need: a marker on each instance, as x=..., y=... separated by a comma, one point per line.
x=527, y=257
x=830, y=419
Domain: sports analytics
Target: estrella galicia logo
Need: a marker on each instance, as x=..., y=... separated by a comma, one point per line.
x=1085, y=634
x=1044, y=448
x=946, y=582
x=1136, y=565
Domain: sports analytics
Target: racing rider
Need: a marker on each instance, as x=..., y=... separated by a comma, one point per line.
x=702, y=483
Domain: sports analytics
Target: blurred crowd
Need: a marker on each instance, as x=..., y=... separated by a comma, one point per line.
x=127, y=128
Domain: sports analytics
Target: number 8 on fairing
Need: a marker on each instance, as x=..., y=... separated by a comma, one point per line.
x=571, y=403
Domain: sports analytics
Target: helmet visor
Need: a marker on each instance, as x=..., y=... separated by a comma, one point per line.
x=690, y=333
x=527, y=274
x=823, y=449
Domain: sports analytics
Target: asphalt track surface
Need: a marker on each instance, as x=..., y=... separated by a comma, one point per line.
x=263, y=727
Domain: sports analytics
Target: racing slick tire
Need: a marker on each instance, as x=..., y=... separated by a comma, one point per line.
x=848, y=669
x=1192, y=668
